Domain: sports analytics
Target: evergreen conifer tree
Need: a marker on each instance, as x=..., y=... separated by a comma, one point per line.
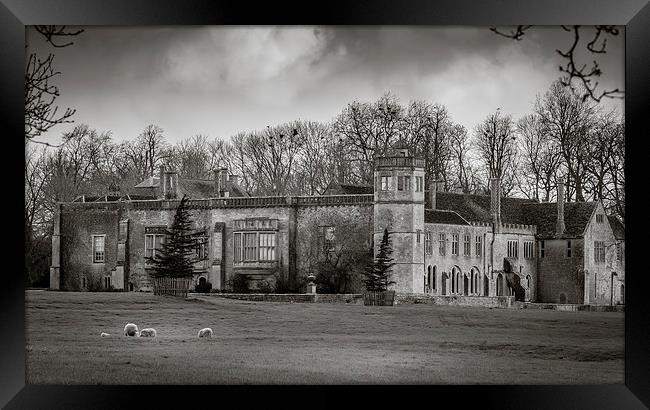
x=377, y=276
x=178, y=254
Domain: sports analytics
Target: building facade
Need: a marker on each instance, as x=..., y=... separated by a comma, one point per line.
x=443, y=243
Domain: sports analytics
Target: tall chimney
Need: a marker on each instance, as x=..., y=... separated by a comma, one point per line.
x=495, y=200
x=223, y=175
x=559, y=227
x=170, y=184
x=162, y=182
x=217, y=182
x=433, y=188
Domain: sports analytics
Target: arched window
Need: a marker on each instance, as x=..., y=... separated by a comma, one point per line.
x=444, y=283
x=433, y=279
x=622, y=294
x=430, y=278
x=486, y=286
x=466, y=284
x=528, y=281
x=500, y=290
x=455, y=280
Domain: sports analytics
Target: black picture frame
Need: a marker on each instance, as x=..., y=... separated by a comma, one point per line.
x=634, y=14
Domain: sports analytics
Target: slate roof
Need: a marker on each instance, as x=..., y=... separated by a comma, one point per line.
x=443, y=217
x=193, y=188
x=348, y=189
x=617, y=227
x=544, y=215
x=476, y=208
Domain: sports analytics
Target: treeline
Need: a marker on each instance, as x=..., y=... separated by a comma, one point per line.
x=564, y=137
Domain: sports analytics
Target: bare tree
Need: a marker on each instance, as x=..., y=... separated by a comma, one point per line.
x=369, y=130
x=606, y=163
x=495, y=143
x=568, y=120
x=191, y=157
x=41, y=112
x=316, y=167
x=540, y=158
x=464, y=175
x=580, y=78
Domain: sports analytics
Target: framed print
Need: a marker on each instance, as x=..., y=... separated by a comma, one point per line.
x=264, y=202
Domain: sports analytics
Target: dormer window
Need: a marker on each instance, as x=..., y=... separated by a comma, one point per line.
x=600, y=218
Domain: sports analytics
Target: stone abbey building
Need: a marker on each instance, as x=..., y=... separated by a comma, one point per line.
x=444, y=243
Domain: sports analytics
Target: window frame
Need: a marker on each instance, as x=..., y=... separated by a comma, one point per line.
x=467, y=245
x=513, y=247
x=385, y=182
x=94, y=248
x=529, y=250
x=243, y=253
x=568, y=252
x=428, y=248
x=442, y=244
x=478, y=245
x=599, y=252
x=455, y=238
x=153, y=249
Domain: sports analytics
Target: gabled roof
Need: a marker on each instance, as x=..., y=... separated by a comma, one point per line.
x=348, y=189
x=617, y=227
x=544, y=215
x=443, y=217
x=150, y=182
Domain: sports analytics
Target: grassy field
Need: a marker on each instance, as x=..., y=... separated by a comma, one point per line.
x=303, y=343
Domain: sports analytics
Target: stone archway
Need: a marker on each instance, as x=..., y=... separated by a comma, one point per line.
x=500, y=285
x=466, y=285
x=443, y=280
x=486, y=285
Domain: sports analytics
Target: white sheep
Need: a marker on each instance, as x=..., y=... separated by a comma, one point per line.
x=148, y=332
x=105, y=334
x=207, y=332
x=131, y=330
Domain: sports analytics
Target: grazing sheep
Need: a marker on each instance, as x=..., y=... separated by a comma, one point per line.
x=131, y=330
x=105, y=334
x=207, y=332
x=148, y=332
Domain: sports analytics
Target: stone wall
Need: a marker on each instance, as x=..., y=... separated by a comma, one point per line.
x=286, y=297
x=559, y=274
x=456, y=300
x=603, y=280
x=76, y=248
x=443, y=264
x=352, y=241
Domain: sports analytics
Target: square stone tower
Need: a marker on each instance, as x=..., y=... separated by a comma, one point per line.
x=399, y=206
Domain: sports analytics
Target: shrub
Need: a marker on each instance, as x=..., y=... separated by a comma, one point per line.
x=265, y=287
x=239, y=284
x=281, y=284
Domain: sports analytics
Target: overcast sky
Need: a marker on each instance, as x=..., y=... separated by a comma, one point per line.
x=219, y=81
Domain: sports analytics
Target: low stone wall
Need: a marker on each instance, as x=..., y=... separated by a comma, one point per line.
x=355, y=299
x=286, y=297
x=456, y=300
x=571, y=307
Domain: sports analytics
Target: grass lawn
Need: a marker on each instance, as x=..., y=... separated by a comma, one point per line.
x=305, y=343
